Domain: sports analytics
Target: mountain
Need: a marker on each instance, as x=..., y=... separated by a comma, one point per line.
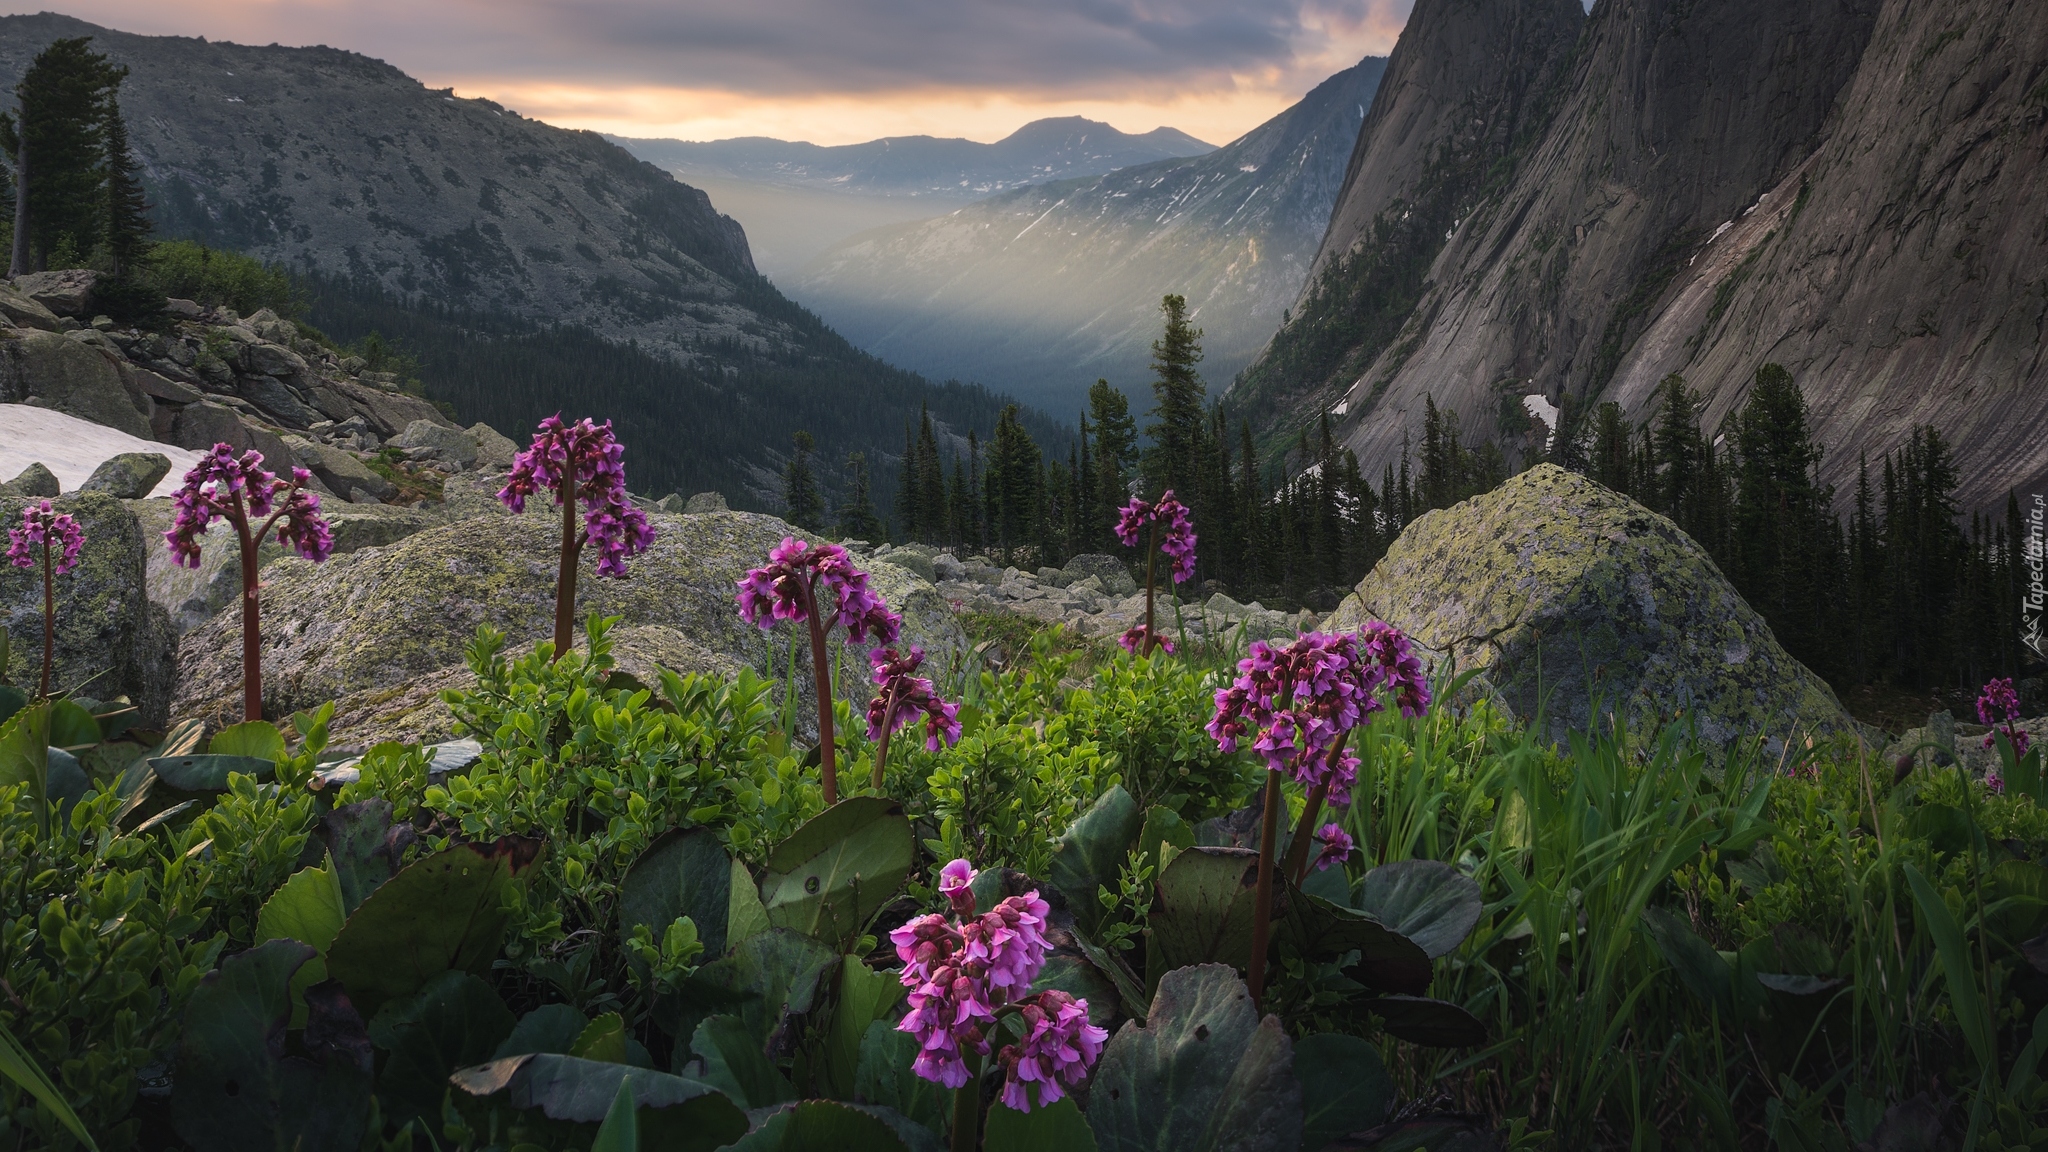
x=924, y=166
x=1042, y=289
x=1852, y=188
x=484, y=226
x=797, y=200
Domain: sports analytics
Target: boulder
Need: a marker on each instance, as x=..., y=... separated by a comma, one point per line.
x=184, y=309
x=1116, y=577
x=111, y=641
x=269, y=394
x=370, y=627
x=160, y=387
x=494, y=450
x=66, y=292
x=1568, y=595
x=129, y=476
x=444, y=443
x=705, y=502
x=35, y=480
x=912, y=560
x=22, y=312
x=946, y=567
x=266, y=359
x=201, y=426
x=339, y=470
x=387, y=412
x=70, y=377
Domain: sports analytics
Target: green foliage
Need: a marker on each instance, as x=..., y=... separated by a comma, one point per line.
x=217, y=278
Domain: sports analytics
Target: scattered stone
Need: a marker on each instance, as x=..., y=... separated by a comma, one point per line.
x=438, y=441
x=1552, y=584
x=184, y=309
x=1052, y=576
x=269, y=394
x=35, y=480
x=22, y=312
x=70, y=377
x=340, y=470
x=66, y=292
x=1116, y=578
x=1224, y=607
x=160, y=387
x=705, y=502
x=945, y=567
x=494, y=450
x=912, y=560
x=129, y=476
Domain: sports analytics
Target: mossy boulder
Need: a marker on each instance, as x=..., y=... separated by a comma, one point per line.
x=111, y=641
x=381, y=629
x=1573, y=596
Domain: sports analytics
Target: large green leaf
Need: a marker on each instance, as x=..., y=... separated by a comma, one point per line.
x=1699, y=967
x=455, y=1021
x=207, y=773
x=1077, y=976
x=365, y=847
x=821, y=1126
x=21, y=1068
x=548, y=1028
x=1320, y=930
x=603, y=1039
x=1056, y=1127
x=306, y=908
x=65, y=779
x=885, y=1077
x=744, y=915
x=735, y=1064
x=685, y=872
x=72, y=726
x=259, y=739
x=236, y=1090
x=673, y=1113
x=1202, y=913
x=12, y=699
x=1430, y=1023
x=839, y=869
x=1089, y=854
x=25, y=756
x=445, y=911
x=865, y=996
x=1973, y=1016
x=772, y=976
x=1344, y=1087
x=1203, y=1073
x=1427, y=901
x=620, y=1131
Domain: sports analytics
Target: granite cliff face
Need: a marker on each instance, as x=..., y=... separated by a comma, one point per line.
x=1853, y=188
x=1041, y=290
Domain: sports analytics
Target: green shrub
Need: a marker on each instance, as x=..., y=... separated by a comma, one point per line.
x=215, y=277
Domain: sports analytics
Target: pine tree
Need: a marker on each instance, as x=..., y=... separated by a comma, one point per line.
x=1784, y=551
x=1611, y=462
x=1013, y=488
x=931, y=482
x=1177, y=392
x=908, y=514
x=1116, y=453
x=127, y=224
x=60, y=159
x=800, y=487
x=857, y=519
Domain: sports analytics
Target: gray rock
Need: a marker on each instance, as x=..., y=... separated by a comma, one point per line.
x=184, y=309
x=1116, y=578
x=67, y=292
x=673, y=503
x=70, y=377
x=1224, y=607
x=494, y=450
x=945, y=567
x=108, y=632
x=1552, y=584
x=338, y=469
x=1088, y=586
x=705, y=502
x=201, y=426
x=277, y=401
x=22, y=312
x=160, y=387
x=129, y=476
x=913, y=560
x=35, y=480
x=379, y=627
x=1052, y=576
x=445, y=443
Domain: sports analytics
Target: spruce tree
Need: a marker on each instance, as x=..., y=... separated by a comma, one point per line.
x=908, y=514
x=1013, y=486
x=1609, y=462
x=61, y=154
x=931, y=481
x=127, y=224
x=800, y=487
x=857, y=519
x=1116, y=453
x=1177, y=393
x=1783, y=550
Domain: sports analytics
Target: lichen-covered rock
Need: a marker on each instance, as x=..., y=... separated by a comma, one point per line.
x=129, y=476
x=339, y=470
x=453, y=445
x=111, y=641
x=1565, y=592
x=374, y=629
x=71, y=377
x=704, y=502
x=1116, y=578
x=64, y=291
x=35, y=480
x=22, y=312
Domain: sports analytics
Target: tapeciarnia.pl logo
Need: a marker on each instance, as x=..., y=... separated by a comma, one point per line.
x=2035, y=598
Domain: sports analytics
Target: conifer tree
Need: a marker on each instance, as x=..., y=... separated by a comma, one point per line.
x=908, y=514
x=857, y=519
x=61, y=154
x=1176, y=431
x=1013, y=486
x=1783, y=550
x=127, y=224
x=800, y=487
x=1116, y=453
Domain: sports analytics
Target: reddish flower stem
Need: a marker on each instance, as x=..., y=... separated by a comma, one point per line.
x=1262, y=907
x=1151, y=562
x=252, y=628
x=1297, y=852
x=828, y=769
x=565, y=577
x=888, y=729
x=49, y=617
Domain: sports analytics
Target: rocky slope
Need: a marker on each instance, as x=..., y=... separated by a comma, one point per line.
x=1851, y=189
x=1571, y=598
x=1040, y=291
x=946, y=170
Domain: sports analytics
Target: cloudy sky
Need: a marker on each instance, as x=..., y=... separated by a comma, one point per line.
x=829, y=71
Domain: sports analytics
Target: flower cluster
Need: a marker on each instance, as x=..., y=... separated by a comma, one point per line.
x=1337, y=845
x=795, y=567
x=1999, y=706
x=237, y=489
x=584, y=462
x=961, y=972
x=1178, y=540
x=902, y=694
x=1293, y=703
x=1133, y=639
x=42, y=527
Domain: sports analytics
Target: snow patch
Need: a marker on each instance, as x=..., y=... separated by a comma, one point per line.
x=71, y=448
x=1539, y=406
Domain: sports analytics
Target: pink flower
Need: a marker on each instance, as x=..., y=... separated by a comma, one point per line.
x=40, y=527
x=585, y=462
x=1995, y=782
x=1337, y=846
x=1293, y=703
x=776, y=592
x=1056, y=1049
x=1999, y=706
x=1133, y=640
x=901, y=696
x=223, y=486
x=1177, y=542
x=955, y=884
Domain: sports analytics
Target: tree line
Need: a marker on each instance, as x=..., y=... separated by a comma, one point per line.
x=77, y=199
